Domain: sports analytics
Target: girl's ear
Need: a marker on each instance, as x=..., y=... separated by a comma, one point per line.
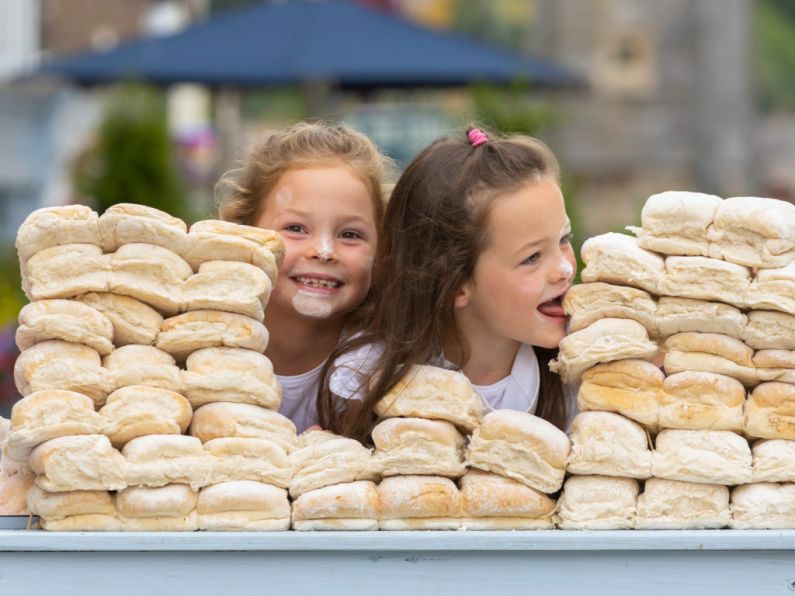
x=463, y=294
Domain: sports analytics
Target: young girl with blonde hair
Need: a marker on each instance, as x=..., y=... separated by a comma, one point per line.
x=320, y=186
x=471, y=268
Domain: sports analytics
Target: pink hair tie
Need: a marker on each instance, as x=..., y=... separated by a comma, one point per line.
x=477, y=137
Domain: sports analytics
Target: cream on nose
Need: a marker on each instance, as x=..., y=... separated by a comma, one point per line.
x=324, y=245
x=566, y=269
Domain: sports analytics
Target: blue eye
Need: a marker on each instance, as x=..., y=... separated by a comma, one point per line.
x=532, y=259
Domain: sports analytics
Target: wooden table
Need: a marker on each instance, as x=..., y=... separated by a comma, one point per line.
x=721, y=563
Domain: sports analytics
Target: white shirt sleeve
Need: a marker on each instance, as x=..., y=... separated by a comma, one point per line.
x=352, y=371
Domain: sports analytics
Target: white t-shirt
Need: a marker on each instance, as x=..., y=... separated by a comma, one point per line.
x=517, y=391
x=299, y=397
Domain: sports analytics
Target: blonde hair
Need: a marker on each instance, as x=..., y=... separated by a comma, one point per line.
x=241, y=192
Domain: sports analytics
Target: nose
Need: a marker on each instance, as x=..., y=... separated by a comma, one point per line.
x=321, y=247
x=563, y=269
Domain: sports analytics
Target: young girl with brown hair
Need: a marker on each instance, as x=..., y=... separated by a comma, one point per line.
x=470, y=272
x=320, y=186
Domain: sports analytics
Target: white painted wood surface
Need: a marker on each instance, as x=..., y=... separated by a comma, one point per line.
x=718, y=563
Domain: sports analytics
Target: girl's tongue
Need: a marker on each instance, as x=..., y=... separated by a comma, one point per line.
x=552, y=308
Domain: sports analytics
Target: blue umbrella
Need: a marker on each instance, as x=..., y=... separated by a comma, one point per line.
x=336, y=42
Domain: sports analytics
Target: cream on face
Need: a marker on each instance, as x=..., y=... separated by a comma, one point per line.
x=312, y=305
x=326, y=218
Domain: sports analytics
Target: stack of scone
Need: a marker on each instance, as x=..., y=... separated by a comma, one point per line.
x=711, y=281
x=419, y=448
x=133, y=324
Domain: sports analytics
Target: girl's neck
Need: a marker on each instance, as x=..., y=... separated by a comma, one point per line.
x=298, y=344
x=489, y=361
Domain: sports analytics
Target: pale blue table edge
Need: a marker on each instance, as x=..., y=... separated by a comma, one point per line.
x=556, y=540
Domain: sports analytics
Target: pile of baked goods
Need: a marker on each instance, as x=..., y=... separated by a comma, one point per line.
x=712, y=282
x=421, y=458
x=142, y=372
x=148, y=403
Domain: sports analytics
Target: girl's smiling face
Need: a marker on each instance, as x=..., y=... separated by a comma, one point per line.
x=325, y=215
x=525, y=268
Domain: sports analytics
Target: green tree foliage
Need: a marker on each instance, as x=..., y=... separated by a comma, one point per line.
x=775, y=54
x=131, y=160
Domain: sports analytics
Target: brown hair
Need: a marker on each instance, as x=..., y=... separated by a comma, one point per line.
x=434, y=231
x=242, y=191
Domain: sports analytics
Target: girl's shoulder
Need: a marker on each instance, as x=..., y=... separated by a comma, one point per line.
x=352, y=371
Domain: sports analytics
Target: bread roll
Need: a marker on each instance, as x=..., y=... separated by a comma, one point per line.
x=220, y=419
x=235, y=458
x=15, y=482
x=243, y=505
x=679, y=315
x=418, y=446
x=706, y=279
x=138, y=410
x=56, y=364
x=348, y=506
x=493, y=502
x=774, y=461
x=710, y=352
x=91, y=522
x=142, y=365
x=130, y=223
x=603, y=341
x=673, y=505
x=158, y=460
x=763, y=506
x=773, y=289
x=330, y=462
x=232, y=287
x=587, y=303
x=754, y=232
x=419, y=503
x=702, y=401
x=775, y=365
x=47, y=414
x=231, y=375
x=192, y=331
x=151, y=274
x=67, y=320
x=56, y=226
x=313, y=437
x=770, y=330
x=435, y=393
x=66, y=271
x=676, y=222
x=213, y=240
x=609, y=445
x=520, y=446
x=628, y=387
x=597, y=503
x=708, y=456
x=133, y=321
x=82, y=462
x=174, y=500
x=770, y=411
x=53, y=506
x=618, y=259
